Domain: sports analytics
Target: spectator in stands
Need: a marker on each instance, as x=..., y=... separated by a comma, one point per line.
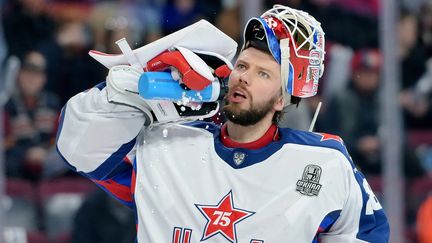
x=26, y=25
x=70, y=67
x=412, y=55
x=228, y=21
x=112, y=20
x=102, y=219
x=178, y=14
x=211, y=8
x=354, y=113
x=31, y=120
x=425, y=26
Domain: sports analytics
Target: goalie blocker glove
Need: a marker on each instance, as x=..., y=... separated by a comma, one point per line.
x=196, y=71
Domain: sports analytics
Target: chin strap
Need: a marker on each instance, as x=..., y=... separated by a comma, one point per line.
x=285, y=69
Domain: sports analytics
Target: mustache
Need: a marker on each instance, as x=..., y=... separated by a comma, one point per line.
x=230, y=90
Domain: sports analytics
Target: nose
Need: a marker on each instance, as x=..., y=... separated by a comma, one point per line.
x=244, y=78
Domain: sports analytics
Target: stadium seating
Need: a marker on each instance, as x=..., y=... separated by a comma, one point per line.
x=20, y=205
x=417, y=191
x=59, y=200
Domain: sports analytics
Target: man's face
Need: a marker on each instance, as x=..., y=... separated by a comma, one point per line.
x=254, y=88
x=366, y=80
x=32, y=77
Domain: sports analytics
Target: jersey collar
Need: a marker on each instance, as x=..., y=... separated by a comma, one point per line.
x=271, y=135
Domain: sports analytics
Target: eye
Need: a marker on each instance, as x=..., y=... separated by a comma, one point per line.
x=240, y=66
x=263, y=74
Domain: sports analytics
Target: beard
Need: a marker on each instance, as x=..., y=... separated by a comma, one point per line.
x=249, y=117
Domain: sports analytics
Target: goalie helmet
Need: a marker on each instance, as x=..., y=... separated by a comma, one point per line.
x=296, y=41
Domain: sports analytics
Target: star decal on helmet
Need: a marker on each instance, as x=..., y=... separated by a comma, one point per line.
x=222, y=218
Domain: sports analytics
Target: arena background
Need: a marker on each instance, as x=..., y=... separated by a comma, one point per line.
x=376, y=94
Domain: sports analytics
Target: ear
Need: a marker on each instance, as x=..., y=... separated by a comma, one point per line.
x=279, y=104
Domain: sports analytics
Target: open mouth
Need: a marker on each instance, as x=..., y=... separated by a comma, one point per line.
x=239, y=94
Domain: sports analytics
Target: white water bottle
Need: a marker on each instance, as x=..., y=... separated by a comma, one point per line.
x=161, y=86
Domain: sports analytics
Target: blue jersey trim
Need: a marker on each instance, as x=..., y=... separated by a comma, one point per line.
x=289, y=135
x=59, y=130
x=113, y=162
x=61, y=120
x=135, y=209
x=329, y=220
x=105, y=169
x=251, y=157
x=327, y=223
x=109, y=167
x=373, y=228
x=128, y=204
x=226, y=153
x=100, y=85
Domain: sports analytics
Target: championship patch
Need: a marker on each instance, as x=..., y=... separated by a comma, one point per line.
x=309, y=184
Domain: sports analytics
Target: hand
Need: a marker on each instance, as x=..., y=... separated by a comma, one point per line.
x=36, y=154
x=195, y=70
x=122, y=87
x=122, y=83
x=416, y=106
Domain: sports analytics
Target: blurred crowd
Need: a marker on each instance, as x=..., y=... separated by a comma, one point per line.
x=52, y=39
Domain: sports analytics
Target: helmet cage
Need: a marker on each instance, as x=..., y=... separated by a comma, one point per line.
x=296, y=41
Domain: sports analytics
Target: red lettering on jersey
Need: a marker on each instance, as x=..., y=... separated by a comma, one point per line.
x=176, y=235
x=181, y=235
x=187, y=235
x=256, y=241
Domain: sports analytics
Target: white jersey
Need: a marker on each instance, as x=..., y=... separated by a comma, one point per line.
x=186, y=186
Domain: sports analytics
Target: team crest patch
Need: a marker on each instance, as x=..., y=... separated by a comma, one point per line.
x=239, y=157
x=309, y=184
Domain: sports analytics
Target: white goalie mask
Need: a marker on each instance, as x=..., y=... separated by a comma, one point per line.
x=296, y=41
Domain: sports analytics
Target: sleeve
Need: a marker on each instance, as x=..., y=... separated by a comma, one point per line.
x=362, y=218
x=97, y=139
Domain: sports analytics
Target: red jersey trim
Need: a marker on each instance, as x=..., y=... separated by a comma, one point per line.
x=120, y=191
x=271, y=135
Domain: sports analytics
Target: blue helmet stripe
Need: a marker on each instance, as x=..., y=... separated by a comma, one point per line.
x=290, y=79
x=272, y=41
x=315, y=37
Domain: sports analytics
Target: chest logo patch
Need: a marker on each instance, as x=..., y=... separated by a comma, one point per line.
x=309, y=183
x=222, y=218
x=239, y=157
